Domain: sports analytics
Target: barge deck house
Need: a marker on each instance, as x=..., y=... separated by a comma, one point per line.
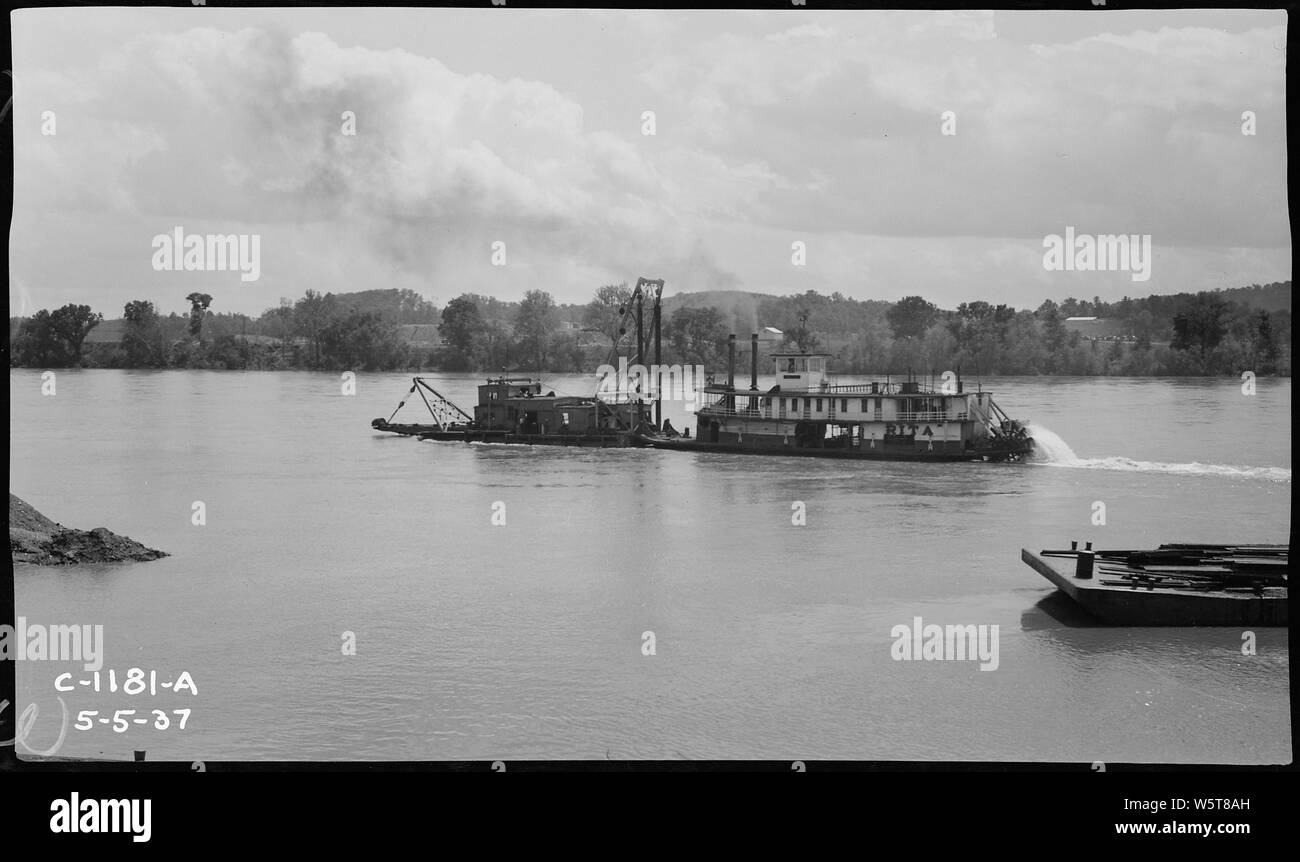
x=515, y=410
x=805, y=414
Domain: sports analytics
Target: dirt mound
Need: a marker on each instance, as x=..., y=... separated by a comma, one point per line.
x=23, y=517
x=36, y=539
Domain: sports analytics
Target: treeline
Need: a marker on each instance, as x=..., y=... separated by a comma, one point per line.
x=1208, y=333
x=359, y=331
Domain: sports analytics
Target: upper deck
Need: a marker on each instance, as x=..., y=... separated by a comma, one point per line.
x=804, y=390
x=806, y=373
x=500, y=389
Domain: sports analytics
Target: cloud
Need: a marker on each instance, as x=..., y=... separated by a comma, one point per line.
x=821, y=127
x=247, y=126
x=1140, y=131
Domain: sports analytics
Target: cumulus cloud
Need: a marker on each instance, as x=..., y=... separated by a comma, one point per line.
x=819, y=127
x=1135, y=131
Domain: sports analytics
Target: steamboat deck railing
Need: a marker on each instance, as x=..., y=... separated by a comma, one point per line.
x=780, y=412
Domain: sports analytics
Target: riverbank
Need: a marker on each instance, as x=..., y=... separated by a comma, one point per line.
x=35, y=539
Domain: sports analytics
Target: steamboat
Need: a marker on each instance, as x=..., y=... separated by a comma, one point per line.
x=806, y=414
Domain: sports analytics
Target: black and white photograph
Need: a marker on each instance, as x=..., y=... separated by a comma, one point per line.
x=507, y=385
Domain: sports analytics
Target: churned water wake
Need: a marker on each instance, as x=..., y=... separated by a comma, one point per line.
x=1051, y=451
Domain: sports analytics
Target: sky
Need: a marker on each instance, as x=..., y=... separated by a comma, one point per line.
x=526, y=128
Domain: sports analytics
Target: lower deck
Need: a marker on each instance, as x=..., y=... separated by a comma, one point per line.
x=933, y=440
x=879, y=454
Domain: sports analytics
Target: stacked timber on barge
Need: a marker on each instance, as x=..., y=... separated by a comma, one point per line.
x=1173, y=585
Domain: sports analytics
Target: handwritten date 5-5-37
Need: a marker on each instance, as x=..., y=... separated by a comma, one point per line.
x=123, y=719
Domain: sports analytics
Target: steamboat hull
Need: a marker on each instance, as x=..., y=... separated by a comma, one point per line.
x=620, y=440
x=407, y=429
x=859, y=453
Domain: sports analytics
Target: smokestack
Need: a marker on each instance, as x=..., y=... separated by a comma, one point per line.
x=731, y=361
x=753, y=361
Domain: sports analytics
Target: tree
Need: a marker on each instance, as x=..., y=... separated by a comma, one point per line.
x=361, y=341
x=911, y=316
x=35, y=344
x=696, y=335
x=464, y=329
x=71, y=324
x=1054, y=332
x=535, y=322
x=801, y=336
x=278, y=321
x=54, y=339
x=142, y=337
x=1143, y=326
x=199, y=303
x=605, y=311
x=414, y=308
x=496, y=351
x=311, y=315
x=1264, y=342
x=1200, y=326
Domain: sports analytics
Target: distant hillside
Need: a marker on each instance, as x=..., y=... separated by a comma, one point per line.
x=744, y=305
x=739, y=308
x=400, y=306
x=1267, y=297
x=107, y=332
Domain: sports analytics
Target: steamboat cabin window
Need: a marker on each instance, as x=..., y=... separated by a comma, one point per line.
x=866, y=405
x=844, y=405
x=819, y=405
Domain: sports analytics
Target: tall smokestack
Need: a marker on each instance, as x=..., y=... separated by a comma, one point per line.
x=731, y=361
x=753, y=361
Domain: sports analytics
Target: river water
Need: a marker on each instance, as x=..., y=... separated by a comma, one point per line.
x=527, y=639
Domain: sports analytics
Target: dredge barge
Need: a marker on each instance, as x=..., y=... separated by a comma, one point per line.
x=515, y=410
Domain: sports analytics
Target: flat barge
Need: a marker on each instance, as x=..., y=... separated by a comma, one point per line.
x=1173, y=585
